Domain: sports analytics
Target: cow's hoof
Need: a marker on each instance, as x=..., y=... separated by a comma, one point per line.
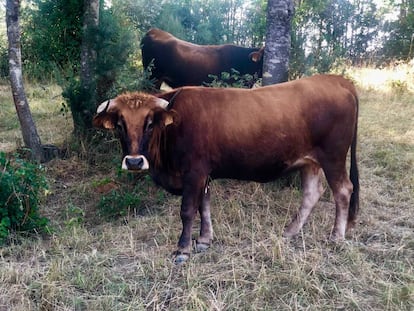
x=289, y=233
x=336, y=237
x=202, y=247
x=181, y=257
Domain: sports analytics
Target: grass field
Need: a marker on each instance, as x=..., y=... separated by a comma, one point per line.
x=95, y=261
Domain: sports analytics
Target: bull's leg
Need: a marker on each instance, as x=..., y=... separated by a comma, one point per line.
x=342, y=188
x=206, y=229
x=312, y=191
x=192, y=195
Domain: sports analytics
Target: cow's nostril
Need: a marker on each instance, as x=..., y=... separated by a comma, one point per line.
x=134, y=163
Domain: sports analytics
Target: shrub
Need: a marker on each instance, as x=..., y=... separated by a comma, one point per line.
x=232, y=79
x=399, y=86
x=4, y=62
x=21, y=185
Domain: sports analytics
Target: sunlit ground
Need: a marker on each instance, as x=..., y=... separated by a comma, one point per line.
x=394, y=85
x=397, y=78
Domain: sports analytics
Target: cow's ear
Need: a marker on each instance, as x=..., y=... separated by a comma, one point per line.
x=168, y=119
x=171, y=117
x=257, y=56
x=165, y=118
x=104, y=121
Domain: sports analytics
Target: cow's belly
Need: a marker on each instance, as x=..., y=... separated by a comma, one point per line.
x=260, y=173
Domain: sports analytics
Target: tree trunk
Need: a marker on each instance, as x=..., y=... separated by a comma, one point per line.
x=31, y=138
x=83, y=114
x=276, y=57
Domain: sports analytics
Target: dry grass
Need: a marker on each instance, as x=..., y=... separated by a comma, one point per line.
x=45, y=102
x=125, y=264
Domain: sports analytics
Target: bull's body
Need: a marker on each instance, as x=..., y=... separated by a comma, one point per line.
x=260, y=135
x=180, y=63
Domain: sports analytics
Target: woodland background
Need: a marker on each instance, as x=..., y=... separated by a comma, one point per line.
x=324, y=33
x=101, y=239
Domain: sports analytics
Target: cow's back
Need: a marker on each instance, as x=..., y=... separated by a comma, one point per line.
x=181, y=63
x=266, y=129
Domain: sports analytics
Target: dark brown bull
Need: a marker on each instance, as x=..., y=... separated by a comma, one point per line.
x=180, y=63
x=189, y=135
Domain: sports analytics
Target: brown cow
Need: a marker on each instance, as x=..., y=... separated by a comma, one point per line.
x=180, y=63
x=189, y=135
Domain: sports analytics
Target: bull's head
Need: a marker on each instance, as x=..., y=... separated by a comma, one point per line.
x=135, y=116
x=257, y=57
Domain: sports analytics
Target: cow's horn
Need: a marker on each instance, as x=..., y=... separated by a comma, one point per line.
x=162, y=103
x=103, y=107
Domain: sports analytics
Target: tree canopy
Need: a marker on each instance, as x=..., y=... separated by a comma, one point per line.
x=324, y=33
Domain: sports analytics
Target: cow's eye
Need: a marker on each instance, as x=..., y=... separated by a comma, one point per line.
x=149, y=124
x=120, y=125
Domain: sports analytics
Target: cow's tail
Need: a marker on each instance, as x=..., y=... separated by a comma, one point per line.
x=354, y=175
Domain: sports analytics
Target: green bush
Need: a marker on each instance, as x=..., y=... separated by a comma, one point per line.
x=232, y=79
x=4, y=62
x=399, y=87
x=21, y=186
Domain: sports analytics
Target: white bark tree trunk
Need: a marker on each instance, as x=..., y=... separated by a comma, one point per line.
x=31, y=138
x=277, y=49
x=88, y=52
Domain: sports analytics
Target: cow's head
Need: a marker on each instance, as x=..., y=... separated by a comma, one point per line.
x=137, y=117
x=256, y=59
x=257, y=56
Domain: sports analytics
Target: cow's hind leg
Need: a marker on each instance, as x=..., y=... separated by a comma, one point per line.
x=312, y=191
x=342, y=188
x=206, y=229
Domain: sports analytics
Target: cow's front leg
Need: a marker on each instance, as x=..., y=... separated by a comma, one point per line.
x=206, y=229
x=192, y=196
